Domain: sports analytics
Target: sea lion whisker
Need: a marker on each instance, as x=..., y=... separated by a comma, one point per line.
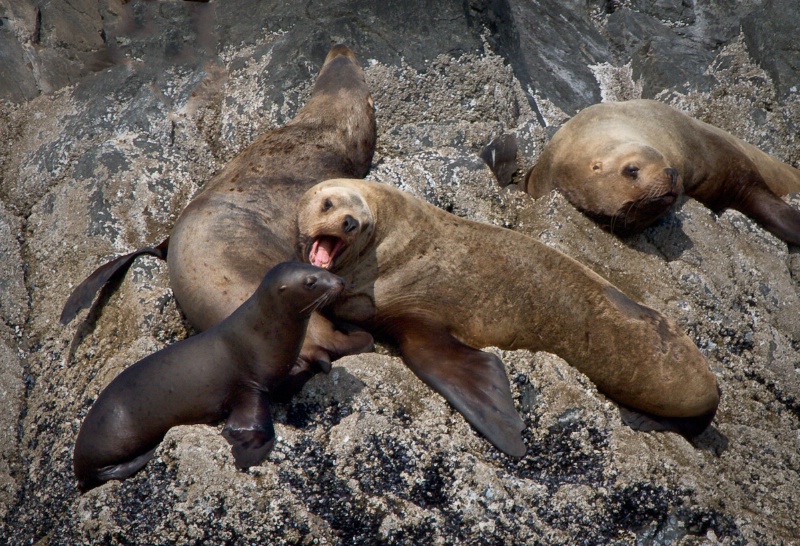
x=320, y=302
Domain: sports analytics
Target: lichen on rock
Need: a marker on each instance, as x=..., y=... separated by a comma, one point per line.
x=102, y=159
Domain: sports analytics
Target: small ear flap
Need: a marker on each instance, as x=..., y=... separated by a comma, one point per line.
x=536, y=185
x=281, y=288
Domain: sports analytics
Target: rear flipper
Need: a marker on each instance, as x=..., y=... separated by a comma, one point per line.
x=114, y=472
x=473, y=381
x=83, y=295
x=646, y=422
x=249, y=428
x=501, y=157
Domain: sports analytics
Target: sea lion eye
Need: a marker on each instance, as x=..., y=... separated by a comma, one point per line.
x=327, y=205
x=631, y=170
x=311, y=282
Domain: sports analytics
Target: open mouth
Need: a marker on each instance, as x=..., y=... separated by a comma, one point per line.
x=324, y=250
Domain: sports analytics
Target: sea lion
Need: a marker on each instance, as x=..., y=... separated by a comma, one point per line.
x=427, y=281
x=224, y=373
x=242, y=222
x=624, y=164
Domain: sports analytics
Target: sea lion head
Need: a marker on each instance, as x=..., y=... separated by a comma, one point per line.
x=334, y=224
x=624, y=188
x=342, y=76
x=303, y=287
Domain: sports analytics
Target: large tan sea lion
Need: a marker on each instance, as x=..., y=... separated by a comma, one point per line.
x=430, y=283
x=225, y=373
x=242, y=222
x=624, y=164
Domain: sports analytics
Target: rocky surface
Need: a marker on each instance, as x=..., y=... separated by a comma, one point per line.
x=115, y=112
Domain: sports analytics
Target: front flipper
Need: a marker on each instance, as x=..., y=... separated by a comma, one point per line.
x=501, y=157
x=249, y=428
x=84, y=293
x=773, y=213
x=473, y=381
x=324, y=343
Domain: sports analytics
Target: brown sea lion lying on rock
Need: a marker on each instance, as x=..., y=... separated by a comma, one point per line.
x=242, y=222
x=426, y=281
x=624, y=164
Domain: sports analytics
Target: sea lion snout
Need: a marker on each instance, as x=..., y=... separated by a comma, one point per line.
x=672, y=174
x=326, y=282
x=350, y=224
x=340, y=50
x=295, y=276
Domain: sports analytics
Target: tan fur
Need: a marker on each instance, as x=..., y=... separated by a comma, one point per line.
x=416, y=265
x=588, y=157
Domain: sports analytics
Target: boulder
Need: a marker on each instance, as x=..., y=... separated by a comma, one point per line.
x=98, y=159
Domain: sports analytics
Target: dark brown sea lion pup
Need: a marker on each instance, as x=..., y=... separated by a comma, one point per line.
x=225, y=373
x=426, y=281
x=624, y=163
x=242, y=222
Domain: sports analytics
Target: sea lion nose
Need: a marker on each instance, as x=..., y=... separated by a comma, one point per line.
x=349, y=224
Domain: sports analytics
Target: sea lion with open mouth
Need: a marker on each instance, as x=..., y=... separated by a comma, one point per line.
x=426, y=281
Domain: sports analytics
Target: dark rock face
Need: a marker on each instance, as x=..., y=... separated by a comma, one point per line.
x=767, y=33
x=115, y=112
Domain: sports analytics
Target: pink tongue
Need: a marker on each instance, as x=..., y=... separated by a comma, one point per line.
x=321, y=252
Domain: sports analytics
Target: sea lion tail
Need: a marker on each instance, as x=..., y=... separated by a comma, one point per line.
x=83, y=295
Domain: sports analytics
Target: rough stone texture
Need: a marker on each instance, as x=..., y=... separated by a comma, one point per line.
x=99, y=159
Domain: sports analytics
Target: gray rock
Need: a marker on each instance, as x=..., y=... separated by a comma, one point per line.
x=660, y=57
x=104, y=162
x=551, y=46
x=768, y=34
x=47, y=45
